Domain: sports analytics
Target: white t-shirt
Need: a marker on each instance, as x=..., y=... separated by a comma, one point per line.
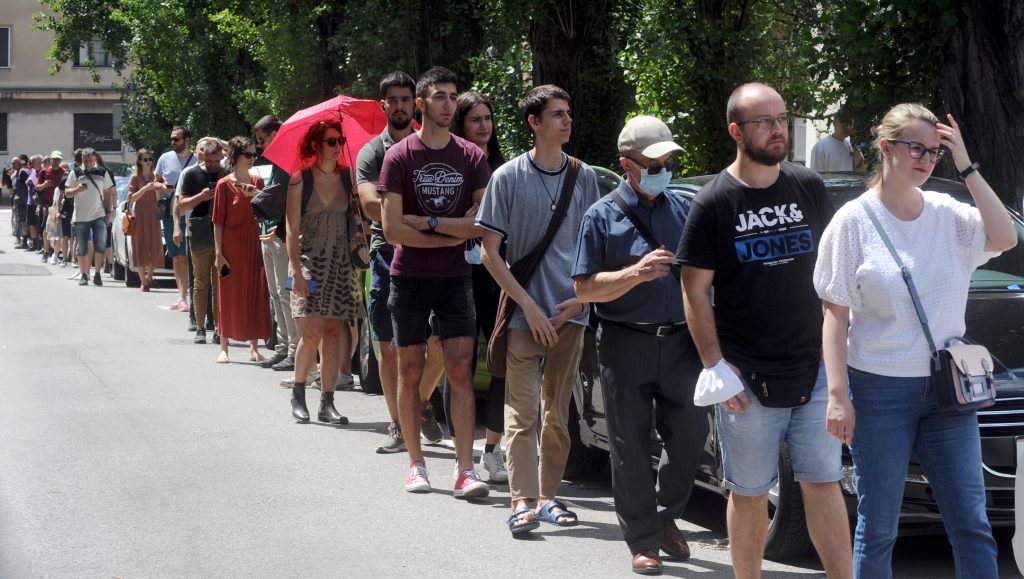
x=89, y=203
x=942, y=247
x=831, y=154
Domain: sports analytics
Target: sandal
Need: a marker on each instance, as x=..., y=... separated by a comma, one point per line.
x=525, y=524
x=256, y=357
x=222, y=358
x=545, y=514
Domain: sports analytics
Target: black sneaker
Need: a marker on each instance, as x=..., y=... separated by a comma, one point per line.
x=96, y=280
x=108, y=268
x=286, y=365
x=216, y=338
x=44, y=258
x=269, y=362
x=84, y=280
x=200, y=337
x=210, y=326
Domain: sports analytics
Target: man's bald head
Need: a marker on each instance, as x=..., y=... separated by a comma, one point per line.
x=745, y=97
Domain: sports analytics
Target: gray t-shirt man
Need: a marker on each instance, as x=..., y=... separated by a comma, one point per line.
x=368, y=165
x=518, y=206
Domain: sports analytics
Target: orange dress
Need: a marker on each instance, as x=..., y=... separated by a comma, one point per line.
x=243, y=307
x=147, y=241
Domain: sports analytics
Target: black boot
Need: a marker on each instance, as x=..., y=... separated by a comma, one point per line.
x=327, y=412
x=299, y=410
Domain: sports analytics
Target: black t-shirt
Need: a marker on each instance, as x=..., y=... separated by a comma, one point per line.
x=192, y=184
x=762, y=245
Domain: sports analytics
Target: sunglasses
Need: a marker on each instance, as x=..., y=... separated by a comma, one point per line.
x=248, y=154
x=656, y=168
x=147, y=159
x=175, y=139
x=334, y=141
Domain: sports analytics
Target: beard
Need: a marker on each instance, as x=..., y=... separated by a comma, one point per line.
x=400, y=125
x=761, y=155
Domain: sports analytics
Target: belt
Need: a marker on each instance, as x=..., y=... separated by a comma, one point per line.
x=659, y=330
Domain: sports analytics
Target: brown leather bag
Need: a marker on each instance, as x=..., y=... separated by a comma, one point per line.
x=128, y=223
x=523, y=270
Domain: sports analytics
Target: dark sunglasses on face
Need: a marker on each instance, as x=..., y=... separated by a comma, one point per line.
x=655, y=168
x=147, y=159
x=248, y=154
x=175, y=139
x=917, y=150
x=334, y=141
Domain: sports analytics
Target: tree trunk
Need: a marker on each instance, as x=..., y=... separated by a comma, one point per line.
x=984, y=90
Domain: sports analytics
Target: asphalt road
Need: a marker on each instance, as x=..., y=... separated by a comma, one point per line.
x=126, y=451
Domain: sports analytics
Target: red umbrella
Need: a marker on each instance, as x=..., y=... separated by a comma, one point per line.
x=361, y=120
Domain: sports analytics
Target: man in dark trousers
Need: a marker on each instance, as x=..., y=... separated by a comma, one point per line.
x=649, y=365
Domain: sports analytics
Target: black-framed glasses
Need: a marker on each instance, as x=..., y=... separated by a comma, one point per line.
x=765, y=124
x=248, y=154
x=334, y=141
x=655, y=168
x=917, y=150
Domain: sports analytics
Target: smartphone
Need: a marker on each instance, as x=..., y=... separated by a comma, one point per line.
x=225, y=270
x=311, y=285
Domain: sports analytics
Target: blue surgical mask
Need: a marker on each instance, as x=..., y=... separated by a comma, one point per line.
x=473, y=254
x=655, y=184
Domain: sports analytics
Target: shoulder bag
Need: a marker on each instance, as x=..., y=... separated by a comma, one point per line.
x=641, y=227
x=359, y=255
x=523, y=270
x=962, y=373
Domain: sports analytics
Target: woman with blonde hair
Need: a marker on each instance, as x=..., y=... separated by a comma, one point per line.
x=881, y=398
x=147, y=240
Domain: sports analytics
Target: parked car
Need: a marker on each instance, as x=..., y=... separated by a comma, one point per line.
x=995, y=308
x=124, y=264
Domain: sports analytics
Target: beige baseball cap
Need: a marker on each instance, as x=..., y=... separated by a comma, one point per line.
x=649, y=136
x=57, y=155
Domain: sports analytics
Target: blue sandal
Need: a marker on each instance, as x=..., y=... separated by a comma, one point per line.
x=517, y=516
x=545, y=514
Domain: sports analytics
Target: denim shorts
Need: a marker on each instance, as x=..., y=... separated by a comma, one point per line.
x=413, y=299
x=97, y=228
x=751, y=443
x=173, y=249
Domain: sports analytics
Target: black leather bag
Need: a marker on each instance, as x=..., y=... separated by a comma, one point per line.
x=163, y=207
x=270, y=204
x=200, y=232
x=783, y=389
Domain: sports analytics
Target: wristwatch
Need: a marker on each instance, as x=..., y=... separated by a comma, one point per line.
x=970, y=169
x=432, y=223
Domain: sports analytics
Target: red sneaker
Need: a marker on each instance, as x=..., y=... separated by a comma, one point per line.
x=469, y=485
x=417, y=481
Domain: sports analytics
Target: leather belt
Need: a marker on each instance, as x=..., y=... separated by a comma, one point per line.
x=659, y=330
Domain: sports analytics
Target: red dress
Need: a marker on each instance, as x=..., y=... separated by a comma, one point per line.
x=243, y=306
x=147, y=241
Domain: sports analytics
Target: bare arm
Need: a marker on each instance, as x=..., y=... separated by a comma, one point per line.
x=459, y=227
x=605, y=286
x=218, y=244
x=370, y=200
x=700, y=316
x=543, y=330
x=293, y=215
x=136, y=195
x=841, y=417
x=189, y=203
x=398, y=232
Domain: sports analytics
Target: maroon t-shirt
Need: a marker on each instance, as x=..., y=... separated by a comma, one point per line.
x=437, y=183
x=55, y=177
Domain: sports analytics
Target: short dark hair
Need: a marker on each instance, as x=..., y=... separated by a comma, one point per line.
x=435, y=75
x=268, y=124
x=185, y=133
x=537, y=99
x=237, y=146
x=843, y=115
x=399, y=79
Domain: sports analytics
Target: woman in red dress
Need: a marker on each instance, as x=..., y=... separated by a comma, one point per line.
x=147, y=241
x=243, y=311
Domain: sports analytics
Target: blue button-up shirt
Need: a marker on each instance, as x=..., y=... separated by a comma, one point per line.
x=609, y=242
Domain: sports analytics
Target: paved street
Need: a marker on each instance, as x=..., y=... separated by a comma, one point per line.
x=126, y=451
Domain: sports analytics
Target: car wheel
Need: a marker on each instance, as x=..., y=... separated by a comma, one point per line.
x=119, y=270
x=787, y=525
x=584, y=462
x=369, y=375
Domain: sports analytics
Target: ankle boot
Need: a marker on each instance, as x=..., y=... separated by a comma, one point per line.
x=327, y=412
x=299, y=410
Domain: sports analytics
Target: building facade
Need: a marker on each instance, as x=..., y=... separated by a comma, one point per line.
x=40, y=112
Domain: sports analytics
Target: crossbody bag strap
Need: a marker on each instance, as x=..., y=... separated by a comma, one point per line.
x=906, y=276
x=639, y=224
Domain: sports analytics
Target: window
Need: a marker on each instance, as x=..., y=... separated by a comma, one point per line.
x=96, y=131
x=5, y=47
x=3, y=132
x=99, y=55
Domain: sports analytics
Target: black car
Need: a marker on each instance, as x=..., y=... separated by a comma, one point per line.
x=995, y=310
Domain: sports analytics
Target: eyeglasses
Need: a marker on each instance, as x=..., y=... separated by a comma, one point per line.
x=765, y=124
x=917, y=150
x=248, y=154
x=334, y=141
x=146, y=159
x=655, y=168
x=175, y=139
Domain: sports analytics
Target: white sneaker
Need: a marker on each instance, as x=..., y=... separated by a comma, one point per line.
x=345, y=382
x=493, y=463
x=53, y=259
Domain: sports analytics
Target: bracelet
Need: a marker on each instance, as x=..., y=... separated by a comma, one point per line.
x=970, y=169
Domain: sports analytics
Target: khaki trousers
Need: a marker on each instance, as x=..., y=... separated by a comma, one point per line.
x=205, y=284
x=527, y=385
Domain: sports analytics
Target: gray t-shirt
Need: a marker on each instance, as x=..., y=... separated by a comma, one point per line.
x=89, y=203
x=518, y=205
x=368, y=165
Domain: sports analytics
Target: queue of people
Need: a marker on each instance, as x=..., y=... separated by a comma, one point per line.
x=821, y=335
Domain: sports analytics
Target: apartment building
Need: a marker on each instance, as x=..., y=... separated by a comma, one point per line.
x=40, y=112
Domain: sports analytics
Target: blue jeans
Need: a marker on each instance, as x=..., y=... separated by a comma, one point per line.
x=895, y=416
x=98, y=228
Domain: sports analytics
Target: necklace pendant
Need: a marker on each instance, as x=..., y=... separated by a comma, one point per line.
x=553, y=207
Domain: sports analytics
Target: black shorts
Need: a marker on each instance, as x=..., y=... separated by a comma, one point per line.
x=413, y=299
x=65, y=225
x=21, y=212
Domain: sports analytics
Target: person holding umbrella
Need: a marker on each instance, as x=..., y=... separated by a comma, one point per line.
x=323, y=227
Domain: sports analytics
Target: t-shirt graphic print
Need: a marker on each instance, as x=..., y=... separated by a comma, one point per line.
x=773, y=234
x=438, y=186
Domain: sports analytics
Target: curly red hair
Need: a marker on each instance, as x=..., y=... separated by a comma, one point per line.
x=310, y=145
